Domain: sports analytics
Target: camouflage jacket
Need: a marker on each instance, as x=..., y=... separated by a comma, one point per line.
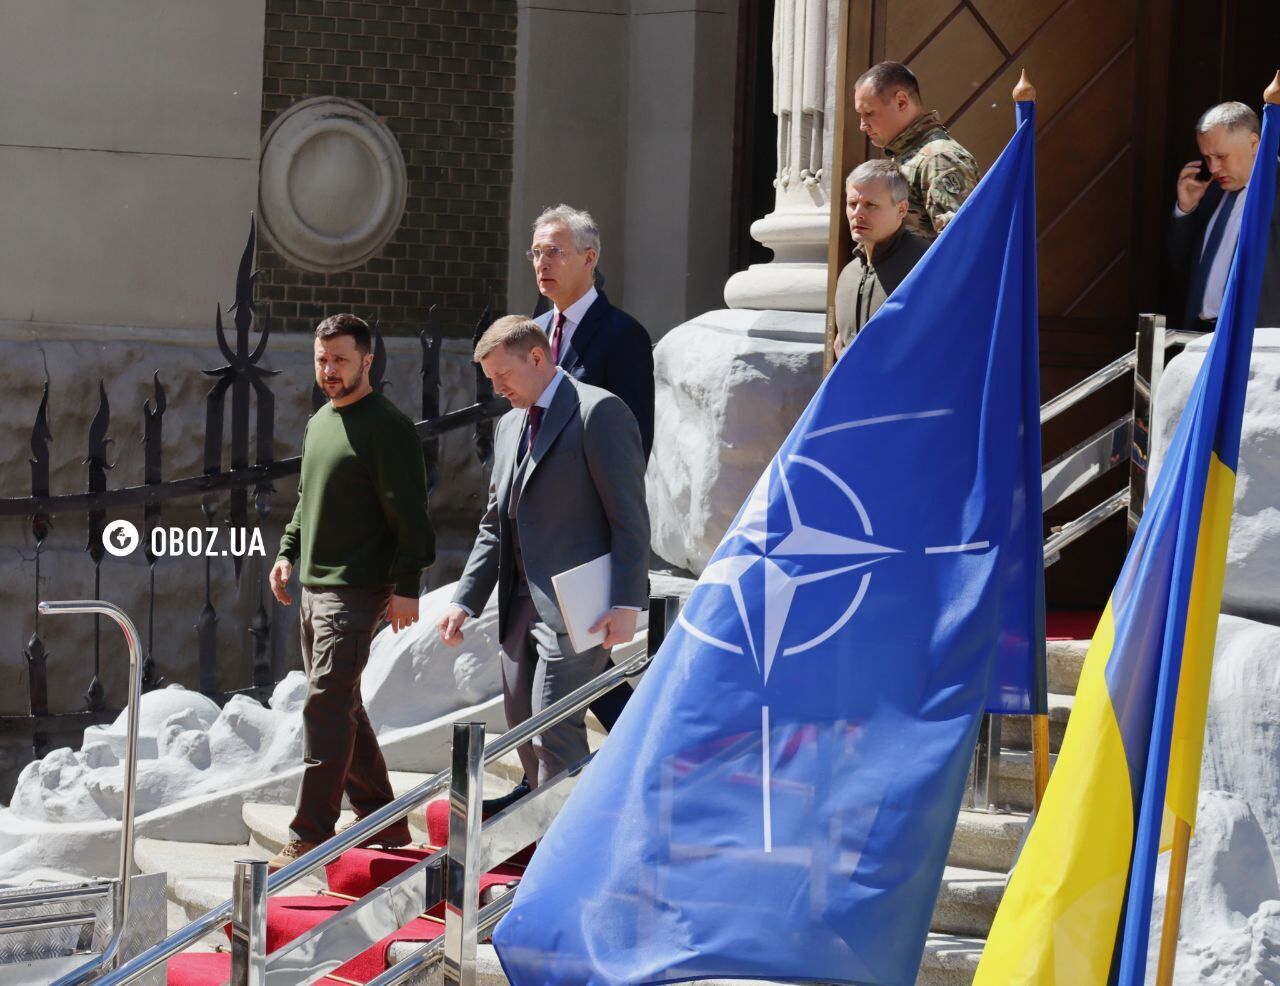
x=940, y=173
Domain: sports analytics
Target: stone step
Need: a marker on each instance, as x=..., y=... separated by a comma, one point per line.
x=269, y=824
x=1064, y=659
x=967, y=901
x=1015, y=731
x=949, y=960
x=986, y=840
x=198, y=874
x=1015, y=790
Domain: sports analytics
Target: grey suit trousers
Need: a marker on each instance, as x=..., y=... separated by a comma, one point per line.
x=540, y=666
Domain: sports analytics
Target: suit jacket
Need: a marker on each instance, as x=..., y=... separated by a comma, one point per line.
x=577, y=494
x=610, y=349
x=1185, y=241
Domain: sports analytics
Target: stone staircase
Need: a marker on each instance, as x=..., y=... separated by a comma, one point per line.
x=982, y=850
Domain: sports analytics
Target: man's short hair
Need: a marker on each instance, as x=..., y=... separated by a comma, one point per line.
x=880, y=169
x=582, y=228
x=347, y=324
x=1232, y=116
x=518, y=334
x=887, y=78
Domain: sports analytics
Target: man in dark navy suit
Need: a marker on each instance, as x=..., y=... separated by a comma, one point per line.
x=592, y=341
x=1206, y=219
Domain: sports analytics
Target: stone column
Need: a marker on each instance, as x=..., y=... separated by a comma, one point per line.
x=731, y=384
x=804, y=75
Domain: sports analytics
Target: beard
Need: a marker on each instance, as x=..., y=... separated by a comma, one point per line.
x=343, y=388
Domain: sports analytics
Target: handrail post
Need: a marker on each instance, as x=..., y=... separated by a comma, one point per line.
x=120, y=910
x=1149, y=365
x=462, y=881
x=984, y=785
x=249, y=923
x=663, y=613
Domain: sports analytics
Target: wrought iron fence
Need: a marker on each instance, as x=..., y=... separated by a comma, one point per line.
x=247, y=382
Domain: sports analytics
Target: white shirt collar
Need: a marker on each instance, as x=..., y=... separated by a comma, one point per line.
x=574, y=313
x=544, y=401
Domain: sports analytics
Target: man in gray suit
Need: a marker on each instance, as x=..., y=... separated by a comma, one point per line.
x=567, y=487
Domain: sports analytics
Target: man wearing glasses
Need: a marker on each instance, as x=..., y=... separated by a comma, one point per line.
x=591, y=340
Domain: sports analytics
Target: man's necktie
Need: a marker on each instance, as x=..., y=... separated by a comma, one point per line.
x=531, y=430
x=1200, y=279
x=557, y=336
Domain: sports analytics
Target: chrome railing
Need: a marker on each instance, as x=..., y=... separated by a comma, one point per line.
x=1125, y=440
x=365, y=922
x=120, y=902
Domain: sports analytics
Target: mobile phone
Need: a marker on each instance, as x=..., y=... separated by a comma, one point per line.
x=1204, y=174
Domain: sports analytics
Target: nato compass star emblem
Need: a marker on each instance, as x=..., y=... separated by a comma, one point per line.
x=789, y=553
x=774, y=550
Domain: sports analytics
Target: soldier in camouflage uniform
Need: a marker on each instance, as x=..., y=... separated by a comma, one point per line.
x=940, y=173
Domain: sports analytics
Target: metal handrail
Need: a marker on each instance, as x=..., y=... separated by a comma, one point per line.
x=374, y=822
x=431, y=953
x=1090, y=385
x=1083, y=524
x=120, y=904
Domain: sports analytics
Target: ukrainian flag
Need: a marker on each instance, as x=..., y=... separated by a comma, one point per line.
x=1078, y=906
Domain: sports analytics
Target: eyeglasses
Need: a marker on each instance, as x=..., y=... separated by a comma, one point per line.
x=551, y=253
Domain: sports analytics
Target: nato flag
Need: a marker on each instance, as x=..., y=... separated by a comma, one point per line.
x=777, y=800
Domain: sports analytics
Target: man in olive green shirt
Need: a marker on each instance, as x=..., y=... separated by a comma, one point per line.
x=940, y=173
x=362, y=536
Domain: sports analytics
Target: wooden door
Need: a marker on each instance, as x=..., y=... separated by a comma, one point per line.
x=1099, y=68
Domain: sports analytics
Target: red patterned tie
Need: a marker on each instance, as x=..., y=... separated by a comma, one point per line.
x=557, y=335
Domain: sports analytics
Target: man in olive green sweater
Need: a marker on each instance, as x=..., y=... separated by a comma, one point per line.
x=362, y=533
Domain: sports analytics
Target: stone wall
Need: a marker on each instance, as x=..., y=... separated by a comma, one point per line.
x=129, y=149
x=440, y=74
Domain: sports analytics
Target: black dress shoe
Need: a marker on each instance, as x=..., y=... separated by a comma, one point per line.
x=492, y=806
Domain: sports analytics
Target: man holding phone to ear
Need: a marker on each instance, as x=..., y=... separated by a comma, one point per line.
x=1206, y=218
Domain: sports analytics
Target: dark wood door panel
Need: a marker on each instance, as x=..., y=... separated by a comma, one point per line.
x=955, y=63
x=1074, y=47
x=1079, y=146
x=910, y=23
x=1013, y=23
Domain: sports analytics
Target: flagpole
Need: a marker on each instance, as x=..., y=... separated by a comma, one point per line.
x=1173, y=902
x=1040, y=755
x=1181, y=830
x=1025, y=92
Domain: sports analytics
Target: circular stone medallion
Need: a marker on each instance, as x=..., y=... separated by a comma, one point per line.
x=331, y=186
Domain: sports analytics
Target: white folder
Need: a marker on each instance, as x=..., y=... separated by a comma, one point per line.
x=583, y=596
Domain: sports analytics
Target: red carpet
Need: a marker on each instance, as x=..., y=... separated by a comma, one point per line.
x=357, y=871
x=289, y=917
x=1071, y=624
x=438, y=830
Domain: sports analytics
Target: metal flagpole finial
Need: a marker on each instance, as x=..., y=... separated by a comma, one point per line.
x=1272, y=92
x=1024, y=91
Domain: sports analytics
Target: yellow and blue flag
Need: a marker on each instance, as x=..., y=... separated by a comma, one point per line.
x=1078, y=907
x=778, y=798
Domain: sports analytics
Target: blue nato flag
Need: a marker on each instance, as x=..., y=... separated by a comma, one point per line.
x=778, y=798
